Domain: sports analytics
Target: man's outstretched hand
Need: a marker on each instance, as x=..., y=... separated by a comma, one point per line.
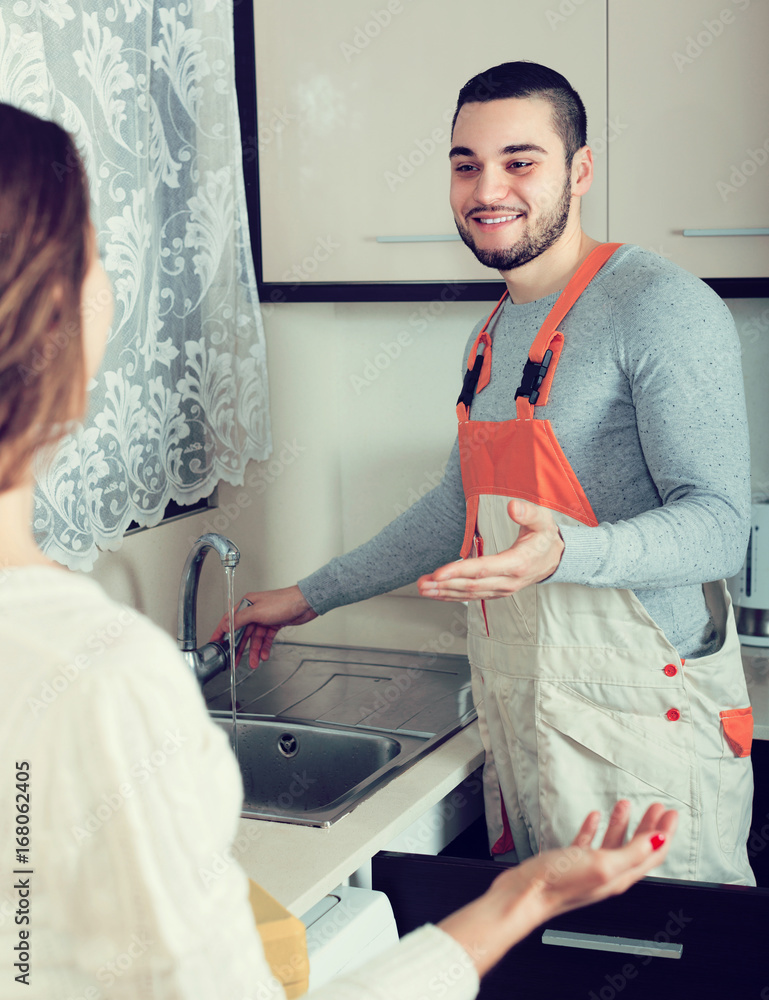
x=533, y=556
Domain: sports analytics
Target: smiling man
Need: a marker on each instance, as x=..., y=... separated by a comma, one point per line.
x=506, y=236
x=597, y=494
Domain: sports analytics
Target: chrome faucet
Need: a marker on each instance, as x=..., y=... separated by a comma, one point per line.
x=213, y=657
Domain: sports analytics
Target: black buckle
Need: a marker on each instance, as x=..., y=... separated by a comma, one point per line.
x=533, y=376
x=471, y=381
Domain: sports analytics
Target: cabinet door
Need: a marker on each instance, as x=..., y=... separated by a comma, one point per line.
x=355, y=102
x=698, y=939
x=688, y=87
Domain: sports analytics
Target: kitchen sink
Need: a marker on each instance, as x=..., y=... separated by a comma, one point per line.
x=322, y=727
x=313, y=774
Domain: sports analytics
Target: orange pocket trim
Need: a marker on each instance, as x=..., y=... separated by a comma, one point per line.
x=738, y=729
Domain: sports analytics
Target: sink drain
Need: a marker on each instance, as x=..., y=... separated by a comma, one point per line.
x=288, y=744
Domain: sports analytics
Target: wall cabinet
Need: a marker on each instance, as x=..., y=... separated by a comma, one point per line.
x=355, y=104
x=688, y=86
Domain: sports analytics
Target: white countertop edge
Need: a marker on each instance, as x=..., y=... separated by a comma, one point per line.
x=299, y=865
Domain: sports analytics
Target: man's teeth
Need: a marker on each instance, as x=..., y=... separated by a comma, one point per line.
x=496, y=222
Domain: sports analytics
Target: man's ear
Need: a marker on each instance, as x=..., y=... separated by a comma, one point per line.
x=582, y=171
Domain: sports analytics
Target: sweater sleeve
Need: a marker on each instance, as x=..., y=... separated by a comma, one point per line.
x=677, y=344
x=424, y=537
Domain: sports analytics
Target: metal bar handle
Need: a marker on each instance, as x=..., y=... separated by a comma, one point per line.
x=601, y=942
x=726, y=232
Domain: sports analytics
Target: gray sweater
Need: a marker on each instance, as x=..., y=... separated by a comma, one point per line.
x=647, y=404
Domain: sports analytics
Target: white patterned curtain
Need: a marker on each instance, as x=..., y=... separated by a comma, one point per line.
x=147, y=88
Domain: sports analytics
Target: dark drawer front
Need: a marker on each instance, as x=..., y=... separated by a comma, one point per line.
x=724, y=931
x=758, y=841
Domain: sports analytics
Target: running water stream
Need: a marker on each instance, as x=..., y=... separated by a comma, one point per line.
x=229, y=572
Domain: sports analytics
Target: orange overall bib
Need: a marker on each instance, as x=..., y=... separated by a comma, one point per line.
x=581, y=698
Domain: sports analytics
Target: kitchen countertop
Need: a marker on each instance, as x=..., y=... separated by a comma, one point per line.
x=299, y=865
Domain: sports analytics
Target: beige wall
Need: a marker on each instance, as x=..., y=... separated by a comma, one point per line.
x=362, y=408
x=357, y=434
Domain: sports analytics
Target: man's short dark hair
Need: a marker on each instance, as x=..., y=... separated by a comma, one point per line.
x=529, y=79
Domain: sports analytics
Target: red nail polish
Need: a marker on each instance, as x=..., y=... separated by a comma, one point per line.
x=657, y=841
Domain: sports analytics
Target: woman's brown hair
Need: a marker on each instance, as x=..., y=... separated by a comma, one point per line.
x=44, y=258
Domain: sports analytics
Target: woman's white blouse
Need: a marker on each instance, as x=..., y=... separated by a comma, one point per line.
x=134, y=801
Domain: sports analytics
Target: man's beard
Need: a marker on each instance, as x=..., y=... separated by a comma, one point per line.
x=531, y=244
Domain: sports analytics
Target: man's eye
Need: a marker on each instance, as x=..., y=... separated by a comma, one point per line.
x=518, y=164
x=464, y=168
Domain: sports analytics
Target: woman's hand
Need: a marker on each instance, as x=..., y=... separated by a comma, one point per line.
x=270, y=611
x=533, y=556
x=526, y=895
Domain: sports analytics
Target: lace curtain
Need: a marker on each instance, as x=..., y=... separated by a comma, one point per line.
x=147, y=88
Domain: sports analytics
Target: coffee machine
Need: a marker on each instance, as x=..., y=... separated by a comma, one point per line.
x=750, y=588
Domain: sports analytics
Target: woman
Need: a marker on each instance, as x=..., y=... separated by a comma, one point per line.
x=125, y=788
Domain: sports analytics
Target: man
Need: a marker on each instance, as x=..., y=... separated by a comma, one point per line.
x=599, y=480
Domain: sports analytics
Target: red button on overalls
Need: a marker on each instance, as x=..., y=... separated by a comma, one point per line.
x=671, y=670
x=673, y=714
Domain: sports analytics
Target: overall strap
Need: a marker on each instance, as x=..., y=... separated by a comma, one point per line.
x=478, y=366
x=546, y=350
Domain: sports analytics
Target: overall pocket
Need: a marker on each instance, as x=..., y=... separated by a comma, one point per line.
x=590, y=756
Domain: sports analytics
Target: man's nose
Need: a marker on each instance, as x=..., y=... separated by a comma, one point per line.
x=492, y=186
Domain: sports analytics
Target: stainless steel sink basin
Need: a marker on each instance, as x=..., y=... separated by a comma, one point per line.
x=322, y=727
x=313, y=774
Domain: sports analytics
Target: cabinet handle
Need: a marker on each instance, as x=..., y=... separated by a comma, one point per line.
x=417, y=239
x=600, y=942
x=726, y=232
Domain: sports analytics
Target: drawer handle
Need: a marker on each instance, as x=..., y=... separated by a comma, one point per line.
x=417, y=239
x=726, y=232
x=601, y=942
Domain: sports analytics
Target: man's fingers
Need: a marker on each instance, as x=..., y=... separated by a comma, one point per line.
x=244, y=617
x=487, y=582
x=475, y=572
x=481, y=567
x=261, y=643
x=530, y=515
x=472, y=590
x=516, y=562
x=450, y=570
x=247, y=632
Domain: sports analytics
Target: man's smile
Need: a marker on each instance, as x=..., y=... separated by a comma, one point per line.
x=497, y=220
x=494, y=218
